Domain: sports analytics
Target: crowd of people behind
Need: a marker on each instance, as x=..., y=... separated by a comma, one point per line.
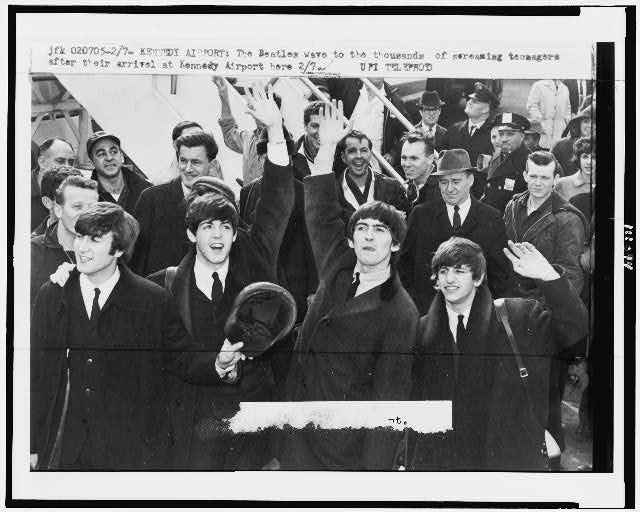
x=395, y=284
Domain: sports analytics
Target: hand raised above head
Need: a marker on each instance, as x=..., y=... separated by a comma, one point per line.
x=220, y=83
x=529, y=262
x=262, y=107
x=333, y=126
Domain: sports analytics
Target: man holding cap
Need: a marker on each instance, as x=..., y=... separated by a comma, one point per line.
x=223, y=258
x=474, y=134
x=455, y=214
x=116, y=183
x=504, y=174
x=430, y=109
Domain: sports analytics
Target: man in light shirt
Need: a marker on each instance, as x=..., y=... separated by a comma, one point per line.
x=358, y=334
x=97, y=398
x=464, y=355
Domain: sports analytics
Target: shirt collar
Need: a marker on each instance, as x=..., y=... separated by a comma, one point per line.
x=453, y=319
x=463, y=208
x=87, y=287
x=185, y=191
x=428, y=131
x=204, y=275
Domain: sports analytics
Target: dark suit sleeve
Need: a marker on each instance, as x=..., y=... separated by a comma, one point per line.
x=325, y=225
x=406, y=258
x=244, y=195
x=401, y=202
x=392, y=382
x=570, y=243
x=569, y=316
x=143, y=213
x=272, y=215
x=499, y=269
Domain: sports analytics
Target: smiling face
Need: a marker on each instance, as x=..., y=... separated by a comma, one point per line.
x=415, y=161
x=373, y=244
x=356, y=156
x=311, y=130
x=76, y=201
x=540, y=179
x=94, y=256
x=213, y=240
x=192, y=163
x=455, y=188
x=107, y=158
x=588, y=164
x=457, y=284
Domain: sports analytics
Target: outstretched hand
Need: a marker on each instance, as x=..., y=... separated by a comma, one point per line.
x=332, y=124
x=262, y=107
x=529, y=262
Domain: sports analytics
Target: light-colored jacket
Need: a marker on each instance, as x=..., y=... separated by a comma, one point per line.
x=550, y=105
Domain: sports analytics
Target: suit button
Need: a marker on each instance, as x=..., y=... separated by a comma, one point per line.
x=499, y=187
x=88, y=391
x=488, y=185
x=90, y=360
x=530, y=331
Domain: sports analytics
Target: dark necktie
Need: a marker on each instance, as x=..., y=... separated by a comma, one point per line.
x=354, y=286
x=460, y=332
x=95, y=307
x=412, y=191
x=216, y=289
x=456, y=218
x=472, y=130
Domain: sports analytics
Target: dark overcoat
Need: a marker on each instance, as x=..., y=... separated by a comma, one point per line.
x=498, y=191
x=429, y=226
x=163, y=234
x=480, y=143
x=440, y=140
x=494, y=428
x=355, y=350
x=135, y=184
x=120, y=370
x=253, y=258
x=559, y=234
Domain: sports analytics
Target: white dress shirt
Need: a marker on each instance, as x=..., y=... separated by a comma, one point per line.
x=453, y=320
x=429, y=132
x=204, y=275
x=370, y=280
x=463, y=211
x=87, y=289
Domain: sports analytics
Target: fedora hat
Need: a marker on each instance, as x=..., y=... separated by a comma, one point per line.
x=262, y=314
x=431, y=100
x=451, y=161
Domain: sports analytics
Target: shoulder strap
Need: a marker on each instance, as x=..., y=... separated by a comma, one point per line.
x=503, y=315
x=169, y=277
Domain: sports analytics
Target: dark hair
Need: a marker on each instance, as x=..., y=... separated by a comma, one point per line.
x=312, y=109
x=183, y=125
x=210, y=206
x=52, y=179
x=49, y=142
x=458, y=251
x=418, y=136
x=383, y=212
x=198, y=139
x=104, y=217
x=74, y=181
x=353, y=134
x=543, y=158
x=582, y=146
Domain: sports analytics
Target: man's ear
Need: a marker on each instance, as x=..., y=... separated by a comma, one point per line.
x=235, y=235
x=47, y=202
x=395, y=247
x=118, y=253
x=191, y=236
x=479, y=281
x=350, y=242
x=473, y=178
x=57, y=210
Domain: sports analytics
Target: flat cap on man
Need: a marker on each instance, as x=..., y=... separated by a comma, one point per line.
x=483, y=94
x=98, y=136
x=512, y=120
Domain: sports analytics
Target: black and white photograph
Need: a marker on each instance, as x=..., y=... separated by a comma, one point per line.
x=383, y=263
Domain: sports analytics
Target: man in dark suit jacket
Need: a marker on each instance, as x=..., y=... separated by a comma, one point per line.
x=224, y=259
x=418, y=163
x=464, y=355
x=160, y=209
x=97, y=396
x=358, y=184
x=505, y=172
x=474, y=134
x=430, y=109
x=358, y=336
x=455, y=214
x=116, y=183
